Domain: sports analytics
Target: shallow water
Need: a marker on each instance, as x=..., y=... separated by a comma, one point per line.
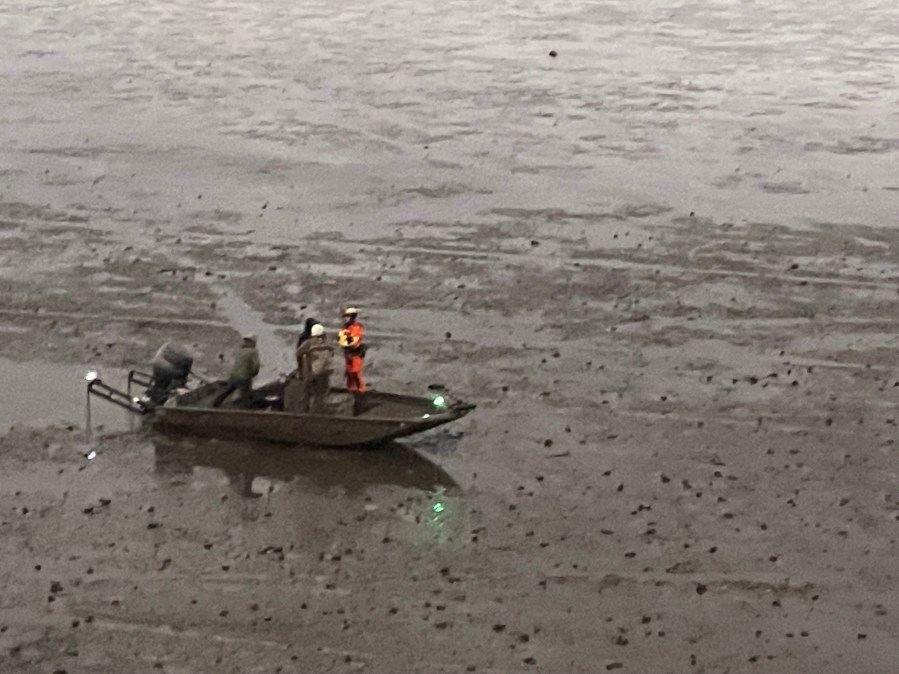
x=37, y=394
x=257, y=468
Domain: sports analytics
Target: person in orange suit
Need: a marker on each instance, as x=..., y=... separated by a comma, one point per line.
x=350, y=338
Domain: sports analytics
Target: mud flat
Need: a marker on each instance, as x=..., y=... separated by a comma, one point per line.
x=662, y=262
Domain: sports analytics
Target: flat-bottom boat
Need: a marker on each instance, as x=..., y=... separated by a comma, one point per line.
x=344, y=419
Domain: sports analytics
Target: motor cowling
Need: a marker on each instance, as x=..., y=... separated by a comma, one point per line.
x=171, y=366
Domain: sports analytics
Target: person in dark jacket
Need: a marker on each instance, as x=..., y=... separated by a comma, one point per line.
x=246, y=366
x=307, y=331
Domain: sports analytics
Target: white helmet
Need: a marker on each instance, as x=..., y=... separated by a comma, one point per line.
x=317, y=330
x=350, y=311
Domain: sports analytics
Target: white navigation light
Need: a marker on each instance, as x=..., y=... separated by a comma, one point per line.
x=439, y=401
x=92, y=376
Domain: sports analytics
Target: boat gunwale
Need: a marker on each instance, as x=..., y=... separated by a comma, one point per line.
x=449, y=414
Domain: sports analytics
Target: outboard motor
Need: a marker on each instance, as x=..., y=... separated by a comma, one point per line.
x=171, y=366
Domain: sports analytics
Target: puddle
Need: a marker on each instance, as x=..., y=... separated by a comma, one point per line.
x=39, y=394
x=275, y=353
x=257, y=469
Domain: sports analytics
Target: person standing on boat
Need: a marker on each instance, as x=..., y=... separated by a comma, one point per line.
x=350, y=338
x=307, y=331
x=246, y=366
x=315, y=358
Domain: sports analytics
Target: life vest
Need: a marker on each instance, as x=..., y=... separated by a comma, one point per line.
x=350, y=338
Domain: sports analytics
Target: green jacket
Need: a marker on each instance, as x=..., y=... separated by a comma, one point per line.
x=246, y=365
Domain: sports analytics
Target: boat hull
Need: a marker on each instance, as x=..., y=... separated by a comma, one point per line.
x=388, y=417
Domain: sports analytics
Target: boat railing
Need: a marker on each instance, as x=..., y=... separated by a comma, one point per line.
x=127, y=399
x=139, y=378
x=97, y=387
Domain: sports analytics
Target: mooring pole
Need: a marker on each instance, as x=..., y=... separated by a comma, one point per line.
x=87, y=420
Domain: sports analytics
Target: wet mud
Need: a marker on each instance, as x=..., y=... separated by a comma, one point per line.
x=662, y=261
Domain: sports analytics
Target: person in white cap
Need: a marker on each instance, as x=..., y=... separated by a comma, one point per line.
x=315, y=361
x=246, y=366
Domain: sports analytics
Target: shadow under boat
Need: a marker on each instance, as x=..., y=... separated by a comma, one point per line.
x=352, y=469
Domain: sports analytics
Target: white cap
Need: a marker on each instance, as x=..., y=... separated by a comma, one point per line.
x=317, y=330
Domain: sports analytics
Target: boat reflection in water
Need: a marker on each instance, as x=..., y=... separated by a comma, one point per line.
x=251, y=465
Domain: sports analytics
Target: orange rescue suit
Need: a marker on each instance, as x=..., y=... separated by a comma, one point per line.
x=350, y=338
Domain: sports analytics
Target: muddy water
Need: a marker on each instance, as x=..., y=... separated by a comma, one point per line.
x=354, y=117
x=259, y=469
x=39, y=394
x=661, y=261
